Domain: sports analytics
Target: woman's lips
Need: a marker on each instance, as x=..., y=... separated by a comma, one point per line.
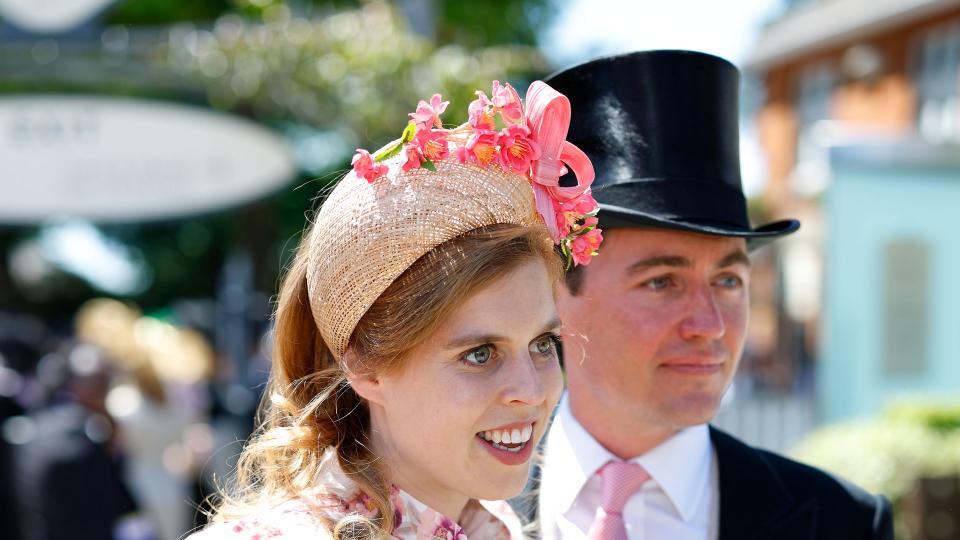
x=511, y=444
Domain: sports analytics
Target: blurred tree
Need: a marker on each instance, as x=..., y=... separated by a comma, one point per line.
x=158, y=12
x=357, y=72
x=330, y=75
x=478, y=24
x=469, y=24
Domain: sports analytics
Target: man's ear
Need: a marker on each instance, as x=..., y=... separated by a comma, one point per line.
x=363, y=382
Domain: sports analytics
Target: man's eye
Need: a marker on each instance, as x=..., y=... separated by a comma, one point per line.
x=730, y=282
x=657, y=283
x=478, y=356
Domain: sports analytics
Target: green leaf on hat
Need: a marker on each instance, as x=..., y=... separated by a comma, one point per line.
x=408, y=133
x=388, y=152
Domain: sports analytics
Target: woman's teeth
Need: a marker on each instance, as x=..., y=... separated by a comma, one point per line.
x=517, y=436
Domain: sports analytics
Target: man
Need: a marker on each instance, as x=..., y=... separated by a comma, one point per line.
x=654, y=327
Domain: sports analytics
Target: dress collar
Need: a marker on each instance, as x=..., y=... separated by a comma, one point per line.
x=480, y=520
x=680, y=466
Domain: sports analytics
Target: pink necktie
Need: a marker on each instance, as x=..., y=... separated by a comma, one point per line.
x=620, y=481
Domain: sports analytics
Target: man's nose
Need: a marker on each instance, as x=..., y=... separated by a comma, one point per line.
x=703, y=319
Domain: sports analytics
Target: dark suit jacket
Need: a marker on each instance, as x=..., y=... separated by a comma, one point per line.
x=765, y=496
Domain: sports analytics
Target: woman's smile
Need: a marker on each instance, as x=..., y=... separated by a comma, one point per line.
x=510, y=444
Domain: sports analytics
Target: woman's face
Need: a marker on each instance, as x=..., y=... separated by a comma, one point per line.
x=461, y=419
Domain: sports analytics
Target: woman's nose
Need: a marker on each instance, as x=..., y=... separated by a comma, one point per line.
x=524, y=382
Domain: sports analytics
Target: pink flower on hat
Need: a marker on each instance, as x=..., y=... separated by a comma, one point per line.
x=533, y=144
x=582, y=204
x=506, y=101
x=481, y=148
x=585, y=245
x=517, y=149
x=365, y=167
x=480, y=113
x=432, y=143
x=428, y=114
x=570, y=211
x=414, y=155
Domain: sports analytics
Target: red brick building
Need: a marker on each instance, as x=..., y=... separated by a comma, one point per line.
x=887, y=67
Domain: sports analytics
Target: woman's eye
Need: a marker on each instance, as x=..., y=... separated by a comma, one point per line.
x=478, y=356
x=544, y=345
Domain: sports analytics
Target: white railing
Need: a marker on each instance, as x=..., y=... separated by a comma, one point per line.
x=772, y=420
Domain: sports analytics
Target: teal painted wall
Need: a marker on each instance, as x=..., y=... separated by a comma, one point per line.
x=867, y=206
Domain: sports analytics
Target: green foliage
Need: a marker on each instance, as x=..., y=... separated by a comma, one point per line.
x=357, y=72
x=165, y=11
x=347, y=67
x=477, y=24
x=887, y=454
x=940, y=417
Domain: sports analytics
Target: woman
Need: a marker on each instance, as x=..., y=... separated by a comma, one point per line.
x=415, y=364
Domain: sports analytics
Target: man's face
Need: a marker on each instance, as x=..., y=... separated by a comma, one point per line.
x=656, y=331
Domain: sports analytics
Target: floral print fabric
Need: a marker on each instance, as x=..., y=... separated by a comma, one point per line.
x=306, y=517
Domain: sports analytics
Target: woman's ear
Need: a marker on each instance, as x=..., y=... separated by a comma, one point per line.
x=363, y=382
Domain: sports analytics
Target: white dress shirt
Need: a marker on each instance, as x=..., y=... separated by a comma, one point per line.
x=679, y=502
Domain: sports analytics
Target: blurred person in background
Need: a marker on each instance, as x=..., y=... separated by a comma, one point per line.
x=154, y=402
x=654, y=329
x=67, y=463
x=415, y=365
x=18, y=360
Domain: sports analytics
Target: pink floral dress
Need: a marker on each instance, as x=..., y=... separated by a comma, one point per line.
x=306, y=517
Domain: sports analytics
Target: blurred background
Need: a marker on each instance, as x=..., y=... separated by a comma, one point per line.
x=158, y=159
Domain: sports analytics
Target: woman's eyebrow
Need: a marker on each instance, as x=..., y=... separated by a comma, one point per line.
x=552, y=325
x=473, y=339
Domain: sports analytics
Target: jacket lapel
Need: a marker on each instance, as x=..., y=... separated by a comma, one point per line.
x=754, y=503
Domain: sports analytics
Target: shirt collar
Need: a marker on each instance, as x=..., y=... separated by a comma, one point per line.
x=575, y=451
x=680, y=466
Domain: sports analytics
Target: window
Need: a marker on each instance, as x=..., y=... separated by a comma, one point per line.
x=937, y=55
x=814, y=91
x=906, y=265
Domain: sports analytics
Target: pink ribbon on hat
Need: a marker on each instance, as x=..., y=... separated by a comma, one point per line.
x=548, y=117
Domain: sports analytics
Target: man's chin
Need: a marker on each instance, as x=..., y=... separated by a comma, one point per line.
x=694, y=411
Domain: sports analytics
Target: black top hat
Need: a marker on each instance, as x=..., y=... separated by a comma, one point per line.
x=661, y=128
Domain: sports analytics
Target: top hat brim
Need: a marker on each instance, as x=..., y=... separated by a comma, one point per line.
x=612, y=217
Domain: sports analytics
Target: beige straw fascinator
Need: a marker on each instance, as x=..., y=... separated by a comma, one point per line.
x=436, y=184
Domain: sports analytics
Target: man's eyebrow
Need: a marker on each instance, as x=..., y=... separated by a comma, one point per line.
x=732, y=258
x=735, y=257
x=660, y=260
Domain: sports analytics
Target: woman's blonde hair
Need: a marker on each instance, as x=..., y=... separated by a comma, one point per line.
x=308, y=407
